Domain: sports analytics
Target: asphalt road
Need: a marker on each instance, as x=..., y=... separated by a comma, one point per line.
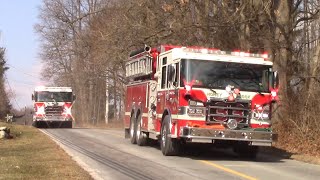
x=105, y=154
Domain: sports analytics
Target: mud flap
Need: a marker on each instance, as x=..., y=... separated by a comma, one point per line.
x=126, y=133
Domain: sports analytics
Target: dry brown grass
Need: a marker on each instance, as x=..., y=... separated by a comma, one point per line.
x=298, y=126
x=32, y=155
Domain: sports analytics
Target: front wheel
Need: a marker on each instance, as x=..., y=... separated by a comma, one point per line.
x=169, y=146
x=245, y=151
x=35, y=124
x=67, y=124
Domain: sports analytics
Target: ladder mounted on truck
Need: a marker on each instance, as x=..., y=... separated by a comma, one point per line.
x=139, y=63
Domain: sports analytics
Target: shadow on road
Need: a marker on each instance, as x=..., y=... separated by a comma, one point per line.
x=217, y=154
x=202, y=151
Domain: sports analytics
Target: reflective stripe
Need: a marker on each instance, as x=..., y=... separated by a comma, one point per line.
x=261, y=122
x=174, y=116
x=187, y=117
x=145, y=115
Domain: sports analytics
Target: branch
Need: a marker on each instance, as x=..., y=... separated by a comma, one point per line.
x=83, y=16
x=297, y=5
x=312, y=17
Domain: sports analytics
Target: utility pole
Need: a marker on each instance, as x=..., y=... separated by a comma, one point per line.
x=107, y=101
x=25, y=117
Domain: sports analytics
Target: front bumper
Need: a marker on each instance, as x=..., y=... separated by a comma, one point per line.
x=52, y=118
x=254, y=137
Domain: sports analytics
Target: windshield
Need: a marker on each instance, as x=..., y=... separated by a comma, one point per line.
x=218, y=75
x=45, y=96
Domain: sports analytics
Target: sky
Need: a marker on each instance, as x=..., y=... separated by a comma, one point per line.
x=17, y=35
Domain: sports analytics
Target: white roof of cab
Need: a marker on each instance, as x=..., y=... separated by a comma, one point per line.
x=179, y=53
x=53, y=89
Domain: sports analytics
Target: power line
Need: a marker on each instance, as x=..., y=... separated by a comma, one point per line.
x=12, y=91
x=23, y=83
x=22, y=71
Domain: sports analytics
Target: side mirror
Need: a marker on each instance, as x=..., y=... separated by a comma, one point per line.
x=32, y=97
x=274, y=79
x=73, y=97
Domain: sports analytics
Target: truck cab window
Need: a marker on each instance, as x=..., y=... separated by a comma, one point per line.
x=172, y=75
x=164, y=77
x=176, y=80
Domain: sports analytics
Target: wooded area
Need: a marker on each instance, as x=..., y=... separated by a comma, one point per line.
x=85, y=44
x=5, y=105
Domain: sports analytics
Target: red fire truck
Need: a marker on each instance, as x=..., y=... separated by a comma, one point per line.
x=180, y=95
x=52, y=107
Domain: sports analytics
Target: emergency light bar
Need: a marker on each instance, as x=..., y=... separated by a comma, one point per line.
x=247, y=54
x=219, y=52
x=203, y=50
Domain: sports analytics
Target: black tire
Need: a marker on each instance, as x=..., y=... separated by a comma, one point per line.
x=35, y=124
x=141, y=137
x=245, y=151
x=132, y=130
x=67, y=124
x=169, y=146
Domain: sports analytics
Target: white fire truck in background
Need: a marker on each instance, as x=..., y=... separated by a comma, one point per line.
x=180, y=95
x=52, y=107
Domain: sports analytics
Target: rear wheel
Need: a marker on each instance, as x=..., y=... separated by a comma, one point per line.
x=141, y=136
x=169, y=146
x=133, y=129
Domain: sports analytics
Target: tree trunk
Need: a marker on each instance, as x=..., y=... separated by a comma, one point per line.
x=284, y=35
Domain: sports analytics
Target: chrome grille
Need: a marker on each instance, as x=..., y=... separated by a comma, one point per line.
x=53, y=110
x=220, y=111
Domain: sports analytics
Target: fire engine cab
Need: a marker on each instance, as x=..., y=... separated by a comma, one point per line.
x=180, y=95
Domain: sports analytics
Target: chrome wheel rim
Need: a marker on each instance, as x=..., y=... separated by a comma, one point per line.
x=131, y=128
x=164, y=136
x=138, y=131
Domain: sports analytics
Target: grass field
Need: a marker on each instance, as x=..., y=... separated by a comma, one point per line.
x=32, y=155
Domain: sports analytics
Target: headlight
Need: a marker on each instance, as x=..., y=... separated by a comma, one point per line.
x=261, y=112
x=266, y=112
x=232, y=124
x=188, y=87
x=195, y=103
x=228, y=89
x=40, y=110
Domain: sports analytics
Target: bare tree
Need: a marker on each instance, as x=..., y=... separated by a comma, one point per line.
x=5, y=106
